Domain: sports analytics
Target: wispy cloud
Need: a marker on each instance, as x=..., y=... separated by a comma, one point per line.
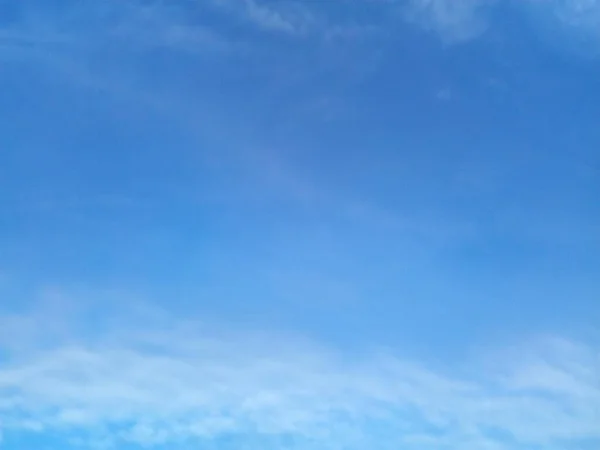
x=292, y=21
x=151, y=380
x=454, y=21
x=171, y=25
x=87, y=25
x=576, y=13
x=572, y=25
x=461, y=21
x=287, y=17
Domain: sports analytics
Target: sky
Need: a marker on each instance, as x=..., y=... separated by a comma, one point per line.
x=300, y=224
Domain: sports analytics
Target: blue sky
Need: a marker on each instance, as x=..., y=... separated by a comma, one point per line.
x=307, y=225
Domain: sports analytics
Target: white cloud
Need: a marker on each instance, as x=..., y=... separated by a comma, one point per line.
x=577, y=12
x=454, y=21
x=572, y=25
x=287, y=17
x=169, y=24
x=87, y=25
x=270, y=18
x=148, y=380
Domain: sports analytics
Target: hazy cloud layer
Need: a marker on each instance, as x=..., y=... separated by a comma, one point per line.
x=454, y=21
x=150, y=380
x=183, y=24
x=114, y=378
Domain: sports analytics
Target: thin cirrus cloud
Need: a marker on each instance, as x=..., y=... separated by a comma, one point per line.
x=173, y=25
x=86, y=25
x=453, y=21
x=169, y=382
x=291, y=18
x=164, y=381
x=570, y=25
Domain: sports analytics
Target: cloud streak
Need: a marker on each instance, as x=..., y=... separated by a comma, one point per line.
x=570, y=25
x=295, y=20
x=453, y=21
x=89, y=25
x=149, y=380
x=177, y=26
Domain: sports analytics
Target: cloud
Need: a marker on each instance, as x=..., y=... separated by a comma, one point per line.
x=270, y=18
x=149, y=380
x=90, y=25
x=291, y=18
x=571, y=25
x=175, y=25
x=454, y=21
x=576, y=13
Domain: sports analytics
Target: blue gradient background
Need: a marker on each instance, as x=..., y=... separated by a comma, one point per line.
x=418, y=176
